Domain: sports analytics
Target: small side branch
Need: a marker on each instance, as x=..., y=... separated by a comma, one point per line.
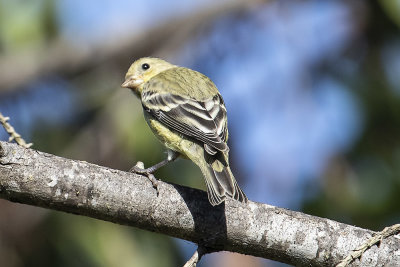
x=192, y=262
x=196, y=257
x=13, y=134
x=374, y=240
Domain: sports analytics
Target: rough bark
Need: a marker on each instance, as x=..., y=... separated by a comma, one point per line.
x=36, y=178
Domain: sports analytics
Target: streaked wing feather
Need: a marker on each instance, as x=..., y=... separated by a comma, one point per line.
x=203, y=120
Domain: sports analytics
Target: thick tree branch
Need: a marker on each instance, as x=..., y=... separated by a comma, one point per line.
x=36, y=178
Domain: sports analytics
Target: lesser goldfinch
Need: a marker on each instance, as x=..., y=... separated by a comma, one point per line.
x=186, y=112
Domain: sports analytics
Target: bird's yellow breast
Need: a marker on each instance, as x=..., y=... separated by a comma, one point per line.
x=167, y=137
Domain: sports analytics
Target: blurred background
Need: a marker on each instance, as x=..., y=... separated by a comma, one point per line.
x=312, y=90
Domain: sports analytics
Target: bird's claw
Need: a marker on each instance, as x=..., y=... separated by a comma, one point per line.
x=154, y=182
x=139, y=168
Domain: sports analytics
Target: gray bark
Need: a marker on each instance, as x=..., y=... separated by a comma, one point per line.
x=36, y=178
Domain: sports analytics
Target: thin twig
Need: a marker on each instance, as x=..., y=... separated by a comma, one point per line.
x=13, y=134
x=193, y=260
x=378, y=237
x=200, y=251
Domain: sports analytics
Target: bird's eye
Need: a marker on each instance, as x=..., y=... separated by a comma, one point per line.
x=145, y=66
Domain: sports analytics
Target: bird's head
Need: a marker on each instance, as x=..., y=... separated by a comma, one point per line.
x=143, y=70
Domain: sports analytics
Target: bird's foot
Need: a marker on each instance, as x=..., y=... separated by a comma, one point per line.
x=154, y=182
x=139, y=168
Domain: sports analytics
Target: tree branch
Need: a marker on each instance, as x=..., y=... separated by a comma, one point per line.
x=13, y=134
x=36, y=178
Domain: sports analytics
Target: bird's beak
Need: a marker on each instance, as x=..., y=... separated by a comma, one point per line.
x=132, y=82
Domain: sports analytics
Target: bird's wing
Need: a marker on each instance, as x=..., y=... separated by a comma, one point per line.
x=204, y=121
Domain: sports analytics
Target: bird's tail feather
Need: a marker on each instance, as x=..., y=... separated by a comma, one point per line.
x=218, y=176
x=221, y=184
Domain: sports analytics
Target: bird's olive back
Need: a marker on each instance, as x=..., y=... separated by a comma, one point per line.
x=184, y=82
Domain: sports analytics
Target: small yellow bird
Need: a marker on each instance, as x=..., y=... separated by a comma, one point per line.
x=186, y=112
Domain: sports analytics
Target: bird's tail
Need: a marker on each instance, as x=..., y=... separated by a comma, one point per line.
x=221, y=183
x=218, y=176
